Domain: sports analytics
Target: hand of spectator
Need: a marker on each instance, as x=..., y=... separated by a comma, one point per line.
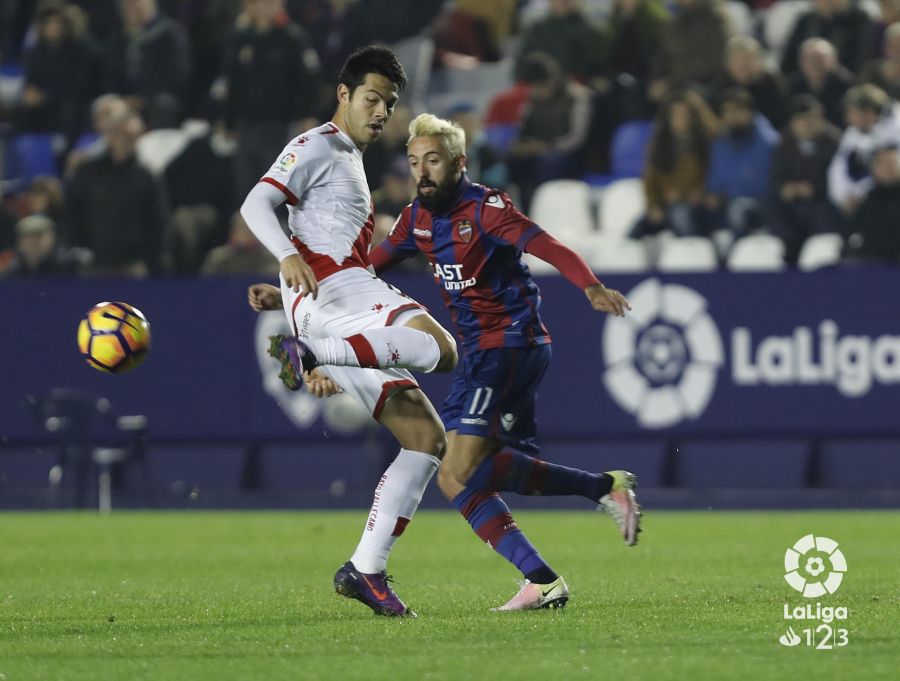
x=607, y=300
x=264, y=297
x=712, y=201
x=32, y=96
x=298, y=274
x=788, y=191
x=318, y=384
x=655, y=214
x=803, y=190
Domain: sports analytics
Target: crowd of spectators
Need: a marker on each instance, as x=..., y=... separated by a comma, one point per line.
x=794, y=141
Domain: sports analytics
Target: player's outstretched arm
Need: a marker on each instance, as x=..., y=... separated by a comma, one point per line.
x=607, y=299
x=263, y=297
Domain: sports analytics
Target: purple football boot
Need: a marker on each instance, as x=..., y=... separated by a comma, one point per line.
x=373, y=590
x=295, y=357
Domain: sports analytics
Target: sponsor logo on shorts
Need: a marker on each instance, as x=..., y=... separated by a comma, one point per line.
x=473, y=422
x=422, y=233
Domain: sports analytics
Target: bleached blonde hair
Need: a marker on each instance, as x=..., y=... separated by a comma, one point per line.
x=428, y=125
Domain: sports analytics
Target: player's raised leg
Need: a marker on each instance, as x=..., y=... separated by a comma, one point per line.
x=413, y=421
x=419, y=345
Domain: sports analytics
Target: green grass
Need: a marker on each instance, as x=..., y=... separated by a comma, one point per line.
x=248, y=596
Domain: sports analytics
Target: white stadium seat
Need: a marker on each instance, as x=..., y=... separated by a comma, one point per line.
x=757, y=252
x=820, y=250
x=740, y=17
x=156, y=149
x=688, y=254
x=621, y=204
x=616, y=254
x=778, y=23
x=563, y=208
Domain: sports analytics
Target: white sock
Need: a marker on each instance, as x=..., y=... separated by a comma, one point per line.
x=385, y=348
x=397, y=497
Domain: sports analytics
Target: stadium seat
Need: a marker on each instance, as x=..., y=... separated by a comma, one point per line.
x=688, y=254
x=629, y=148
x=860, y=464
x=778, y=23
x=563, y=208
x=741, y=464
x=740, y=17
x=620, y=205
x=615, y=253
x=757, y=252
x=416, y=54
x=31, y=155
x=820, y=250
x=157, y=148
x=12, y=81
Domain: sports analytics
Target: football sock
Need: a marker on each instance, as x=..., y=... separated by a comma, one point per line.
x=397, y=496
x=391, y=346
x=489, y=516
x=512, y=471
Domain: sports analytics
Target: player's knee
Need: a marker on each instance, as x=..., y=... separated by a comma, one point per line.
x=431, y=440
x=449, y=356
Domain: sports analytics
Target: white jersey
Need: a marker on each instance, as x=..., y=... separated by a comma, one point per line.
x=329, y=205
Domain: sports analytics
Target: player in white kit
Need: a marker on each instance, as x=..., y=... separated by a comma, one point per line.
x=351, y=328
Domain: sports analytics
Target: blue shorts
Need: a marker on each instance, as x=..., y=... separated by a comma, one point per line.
x=493, y=395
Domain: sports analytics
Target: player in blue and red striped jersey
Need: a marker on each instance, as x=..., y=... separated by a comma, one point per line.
x=474, y=237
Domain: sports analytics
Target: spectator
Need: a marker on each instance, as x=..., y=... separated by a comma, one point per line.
x=874, y=233
x=381, y=156
x=148, y=60
x=37, y=253
x=885, y=72
x=57, y=75
x=745, y=67
x=270, y=72
x=580, y=48
x=842, y=23
x=692, y=48
x=396, y=190
x=44, y=196
x=243, y=254
x=105, y=111
x=677, y=163
x=871, y=121
x=115, y=206
x=822, y=76
x=799, y=205
x=637, y=30
x=737, y=183
x=554, y=128
x=200, y=188
x=463, y=39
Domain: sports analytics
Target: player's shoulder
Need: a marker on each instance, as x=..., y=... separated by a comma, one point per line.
x=492, y=198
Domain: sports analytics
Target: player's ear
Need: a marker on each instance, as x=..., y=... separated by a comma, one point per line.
x=461, y=162
x=343, y=93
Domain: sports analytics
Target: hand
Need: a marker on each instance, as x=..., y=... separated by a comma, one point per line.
x=320, y=385
x=264, y=297
x=298, y=274
x=607, y=300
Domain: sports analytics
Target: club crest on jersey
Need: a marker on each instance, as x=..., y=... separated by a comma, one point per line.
x=464, y=230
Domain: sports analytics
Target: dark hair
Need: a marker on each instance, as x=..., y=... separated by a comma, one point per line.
x=804, y=104
x=737, y=96
x=372, y=59
x=538, y=67
x=663, y=150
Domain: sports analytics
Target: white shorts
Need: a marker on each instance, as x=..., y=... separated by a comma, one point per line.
x=348, y=302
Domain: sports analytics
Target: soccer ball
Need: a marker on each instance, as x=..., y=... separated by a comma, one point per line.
x=114, y=337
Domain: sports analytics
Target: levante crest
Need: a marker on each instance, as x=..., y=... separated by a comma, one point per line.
x=464, y=229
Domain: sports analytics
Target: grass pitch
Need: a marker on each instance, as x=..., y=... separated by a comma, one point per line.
x=248, y=596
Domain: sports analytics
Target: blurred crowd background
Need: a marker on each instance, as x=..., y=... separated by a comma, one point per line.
x=683, y=136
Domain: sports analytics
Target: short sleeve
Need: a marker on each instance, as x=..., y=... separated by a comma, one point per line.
x=302, y=164
x=505, y=223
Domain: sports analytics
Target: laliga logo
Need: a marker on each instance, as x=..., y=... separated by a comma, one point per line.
x=341, y=412
x=663, y=357
x=814, y=566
